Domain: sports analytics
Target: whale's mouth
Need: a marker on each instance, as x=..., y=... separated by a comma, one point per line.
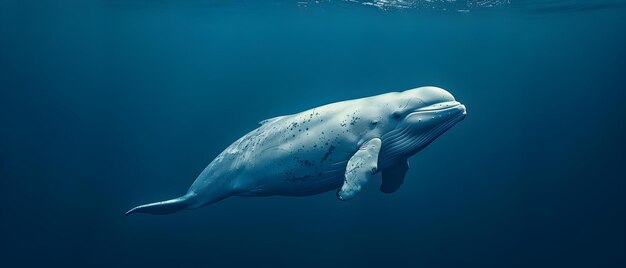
x=443, y=115
x=442, y=112
x=452, y=106
x=435, y=115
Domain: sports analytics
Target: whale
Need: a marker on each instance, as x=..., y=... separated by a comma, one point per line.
x=335, y=147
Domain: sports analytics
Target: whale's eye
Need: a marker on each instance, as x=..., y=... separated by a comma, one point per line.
x=396, y=115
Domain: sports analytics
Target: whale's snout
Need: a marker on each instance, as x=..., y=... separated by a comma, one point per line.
x=463, y=110
x=431, y=95
x=430, y=106
x=460, y=110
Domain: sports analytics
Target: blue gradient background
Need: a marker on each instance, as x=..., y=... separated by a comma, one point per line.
x=105, y=105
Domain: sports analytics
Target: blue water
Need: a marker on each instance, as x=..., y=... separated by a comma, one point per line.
x=108, y=104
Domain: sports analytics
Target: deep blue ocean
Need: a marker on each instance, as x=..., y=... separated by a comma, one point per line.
x=108, y=104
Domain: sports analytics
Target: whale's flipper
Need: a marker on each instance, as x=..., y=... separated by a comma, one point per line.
x=393, y=177
x=361, y=166
x=164, y=207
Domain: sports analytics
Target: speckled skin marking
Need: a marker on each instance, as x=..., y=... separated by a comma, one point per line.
x=306, y=153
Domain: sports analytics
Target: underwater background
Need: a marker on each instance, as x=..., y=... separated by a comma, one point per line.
x=108, y=104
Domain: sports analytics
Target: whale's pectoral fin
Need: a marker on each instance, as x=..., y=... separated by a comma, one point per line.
x=361, y=166
x=393, y=177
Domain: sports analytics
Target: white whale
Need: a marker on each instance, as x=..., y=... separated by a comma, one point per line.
x=335, y=146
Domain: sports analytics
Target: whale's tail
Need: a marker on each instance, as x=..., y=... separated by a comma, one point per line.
x=164, y=207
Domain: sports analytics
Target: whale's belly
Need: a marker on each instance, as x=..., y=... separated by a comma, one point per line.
x=309, y=168
x=295, y=161
x=301, y=154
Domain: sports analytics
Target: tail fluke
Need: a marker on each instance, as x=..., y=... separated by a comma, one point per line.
x=164, y=207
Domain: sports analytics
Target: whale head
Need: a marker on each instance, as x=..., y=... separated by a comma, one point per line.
x=416, y=117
